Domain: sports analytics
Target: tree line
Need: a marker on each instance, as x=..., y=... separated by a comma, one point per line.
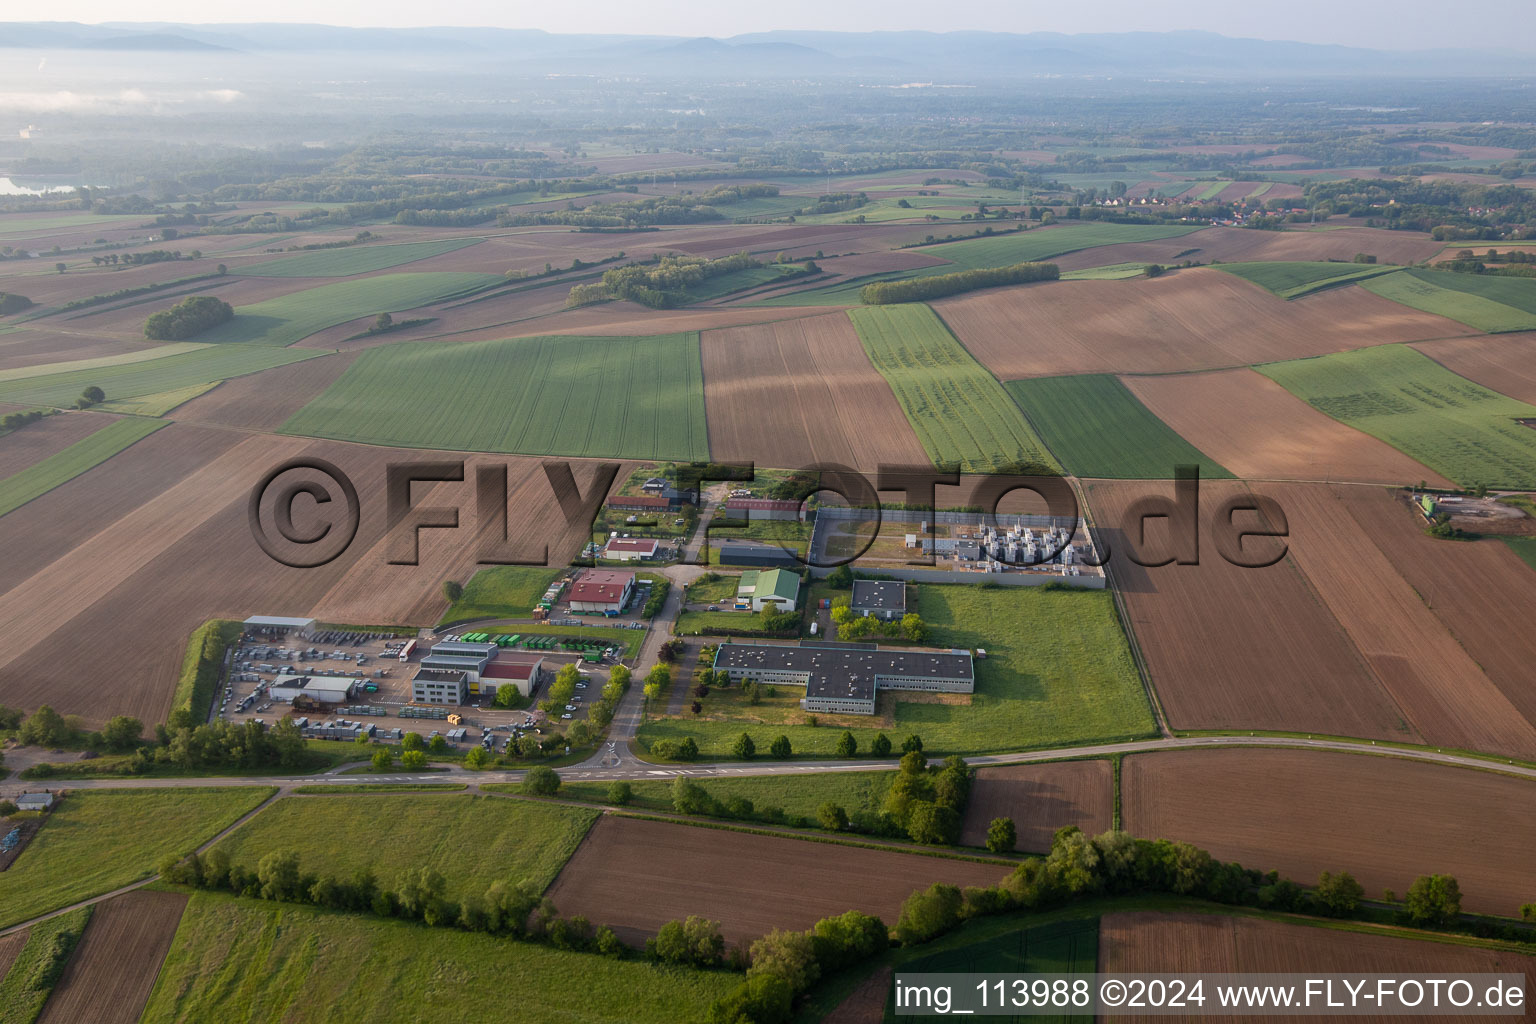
x=921, y=289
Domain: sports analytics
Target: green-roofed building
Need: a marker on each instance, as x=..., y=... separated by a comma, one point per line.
x=777, y=587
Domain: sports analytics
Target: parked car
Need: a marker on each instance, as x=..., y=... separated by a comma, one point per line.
x=570, y=707
x=565, y=716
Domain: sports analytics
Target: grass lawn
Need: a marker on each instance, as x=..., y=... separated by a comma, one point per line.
x=235, y=959
x=95, y=842
x=502, y=591
x=1458, y=428
x=611, y=397
x=694, y=623
x=1491, y=304
x=294, y=317
x=358, y=259
x=796, y=795
x=713, y=591
x=206, y=364
x=1058, y=672
x=1525, y=547
x=472, y=840
x=961, y=414
x=19, y=1002
x=63, y=466
x=1292, y=280
x=1097, y=428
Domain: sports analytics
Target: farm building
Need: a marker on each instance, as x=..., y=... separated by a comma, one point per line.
x=880, y=598
x=661, y=487
x=602, y=591
x=630, y=549
x=845, y=678
x=775, y=588
x=460, y=656
x=522, y=673
x=439, y=686
x=34, y=801
x=746, y=552
x=269, y=623
x=320, y=689
x=765, y=508
x=640, y=503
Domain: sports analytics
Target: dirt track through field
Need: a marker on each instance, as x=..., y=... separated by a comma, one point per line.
x=1383, y=819
x=625, y=875
x=1260, y=431
x=1041, y=799
x=111, y=972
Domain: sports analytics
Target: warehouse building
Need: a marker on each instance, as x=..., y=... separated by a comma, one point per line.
x=602, y=591
x=845, y=678
x=753, y=509
x=439, y=686
x=277, y=624
x=320, y=689
x=522, y=673
x=747, y=552
x=460, y=656
x=630, y=549
x=769, y=588
x=884, y=599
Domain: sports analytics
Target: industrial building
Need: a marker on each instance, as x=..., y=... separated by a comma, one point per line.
x=440, y=686
x=753, y=509
x=522, y=673
x=602, y=591
x=630, y=549
x=276, y=623
x=845, y=678
x=460, y=656
x=747, y=552
x=768, y=588
x=884, y=599
x=320, y=689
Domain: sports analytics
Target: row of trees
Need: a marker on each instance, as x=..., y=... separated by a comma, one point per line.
x=17, y=420
x=858, y=627
x=922, y=289
x=143, y=289
x=192, y=316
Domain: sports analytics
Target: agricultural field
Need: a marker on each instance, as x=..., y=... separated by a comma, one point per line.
x=20, y=1001
x=503, y=591
x=114, y=967
x=1057, y=672
x=200, y=365
x=262, y=401
x=237, y=959
x=800, y=392
x=1326, y=811
x=35, y=442
x=599, y=397
x=513, y=840
x=135, y=356
x=1456, y=427
x=1097, y=428
x=796, y=795
x=1524, y=547
x=1260, y=431
x=1112, y=272
x=1505, y=363
x=1004, y=250
x=1041, y=798
x=351, y=260
x=793, y=882
x=740, y=280
x=962, y=415
x=41, y=477
x=1239, y=245
x=281, y=321
x=1293, y=280
x=94, y=842
x=1491, y=304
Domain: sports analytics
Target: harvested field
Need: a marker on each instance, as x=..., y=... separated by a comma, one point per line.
x=799, y=392
x=114, y=967
x=85, y=454
x=1236, y=245
x=1481, y=591
x=350, y=260
x=1323, y=811
x=1506, y=363
x=39, y=344
x=1187, y=320
x=792, y=883
x=1220, y=641
x=48, y=436
x=1041, y=798
x=1260, y=431
x=262, y=401
x=1443, y=694
x=10, y=948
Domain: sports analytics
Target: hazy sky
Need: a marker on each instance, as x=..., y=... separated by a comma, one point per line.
x=1382, y=24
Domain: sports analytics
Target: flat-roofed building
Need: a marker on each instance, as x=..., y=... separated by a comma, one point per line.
x=439, y=686
x=845, y=678
x=321, y=689
x=884, y=599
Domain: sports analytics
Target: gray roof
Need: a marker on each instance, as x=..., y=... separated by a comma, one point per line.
x=463, y=647
x=433, y=675
x=880, y=594
x=839, y=669
x=278, y=621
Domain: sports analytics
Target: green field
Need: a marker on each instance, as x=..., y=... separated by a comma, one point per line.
x=740, y=280
x=205, y=364
x=63, y=466
x=290, y=318
x=502, y=592
x=244, y=960
x=796, y=795
x=94, y=842
x=1058, y=672
x=637, y=398
x=1112, y=272
x=142, y=355
x=360, y=259
x=1292, y=280
x=20, y=1003
x=1525, y=547
x=1491, y=304
x=1097, y=428
x=1459, y=429
x=960, y=412
x=1032, y=246
x=472, y=840
x=158, y=404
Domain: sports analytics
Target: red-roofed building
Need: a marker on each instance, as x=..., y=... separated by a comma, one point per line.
x=629, y=549
x=504, y=670
x=602, y=591
x=764, y=508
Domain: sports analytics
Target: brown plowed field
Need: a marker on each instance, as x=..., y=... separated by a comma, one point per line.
x=1189, y=320
x=617, y=319
x=1240, y=245
x=48, y=436
x=1235, y=648
x=1442, y=692
x=1260, y=431
x=1041, y=798
x=798, y=392
x=636, y=875
x=10, y=948
x=38, y=344
x=865, y=1004
x=1506, y=363
x=1482, y=591
x=1153, y=943
x=1302, y=812
x=113, y=969
x=262, y=401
